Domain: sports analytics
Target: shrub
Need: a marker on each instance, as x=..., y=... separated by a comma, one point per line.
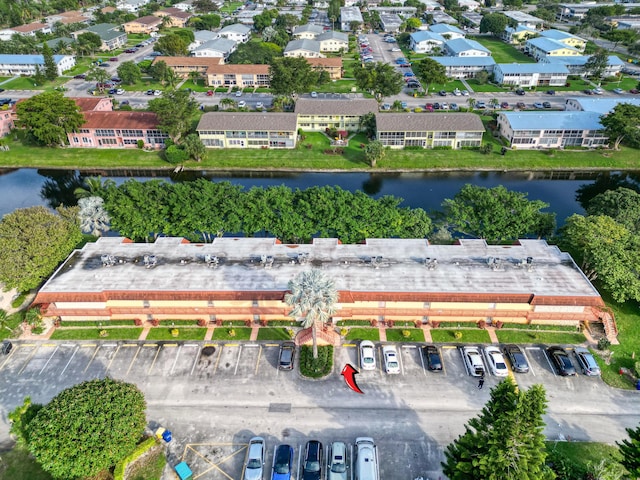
x=140, y=144
x=264, y=323
x=175, y=332
x=155, y=322
x=231, y=332
x=19, y=300
x=486, y=148
x=604, y=343
x=140, y=450
x=218, y=322
x=175, y=155
x=137, y=322
x=390, y=323
x=247, y=323
x=291, y=332
x=344, y=331
x=435, y=324
x=482, y=324
x=316, y=367
x=499, y=324
x=202, y=322
x=103, y=333
x=406, y=333
x=374, y=323
x=457, y=335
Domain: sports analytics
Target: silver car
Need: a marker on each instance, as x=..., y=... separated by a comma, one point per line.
x=337, y=467
x=254, y=466
x=367, y=355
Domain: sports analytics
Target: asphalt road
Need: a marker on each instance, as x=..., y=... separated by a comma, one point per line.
x=212, y=402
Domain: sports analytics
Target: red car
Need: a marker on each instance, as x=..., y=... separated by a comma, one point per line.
x=429, y=107
x=209, y=93
x=634, y=91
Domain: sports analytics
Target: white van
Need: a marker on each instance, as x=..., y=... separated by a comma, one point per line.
x=366, y=461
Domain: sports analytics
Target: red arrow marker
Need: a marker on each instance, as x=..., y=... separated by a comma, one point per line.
x=349, y=374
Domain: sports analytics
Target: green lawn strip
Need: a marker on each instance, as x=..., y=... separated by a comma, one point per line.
x=502, y=52
x=147, y=83
x=627, y=83
x=283, y=323
x=184, y=333
x=28, y=83
x=575, y=85
x=94, y=334
x=628, y=321
x=178, y=323
x=358, y=323
x=18, y=464
x=339, y=86
x=485, y=87
x=579, y=455
x=314, y=159
x=235, y=333
x=12, y=329
x=198, y=86
x=230, y=7
x=149, y=466
x=520, y=336
x=449, y=87
x=372, y=334
x=441, y=335
x=273, y=333
x=396, y=335
x=531, y=327
x=95, y=323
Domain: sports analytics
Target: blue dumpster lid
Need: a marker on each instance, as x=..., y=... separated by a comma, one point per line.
x=183, y=470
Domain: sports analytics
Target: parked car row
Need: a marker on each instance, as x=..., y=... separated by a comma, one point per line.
x=478, y=361
x=315, y=466
x=366, y=53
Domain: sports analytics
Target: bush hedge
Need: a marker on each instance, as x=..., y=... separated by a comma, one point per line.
x=140, y=450
x=316, y=367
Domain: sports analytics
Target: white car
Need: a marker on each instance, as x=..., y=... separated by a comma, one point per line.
x=314, y=94
x=396, y=49
x=391, y=363
x=242, y=104
x=239, y=93
x=120, y=91
x=473, y=361
x=367, y=355
x=337, y=468
x=259, y=106
x=496, y=362
x=254, y=465
x=157, y=93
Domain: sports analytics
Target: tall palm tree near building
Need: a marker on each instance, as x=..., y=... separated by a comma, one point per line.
x=313, y=299
x=94, y=219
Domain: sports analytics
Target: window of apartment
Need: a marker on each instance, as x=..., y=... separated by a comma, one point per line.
x=236, y=134
x=415, y=143
x=130, y=141
x=236, y=142
x=76, y=140
x=415, y=134
x=107, y=141
x=104, y=133
x=258, y=142
x=441, y=143
x=212, y=142
x=444, y=135
x=469, y=143
x=132, y=133
x=86, y=140
x=523, y=141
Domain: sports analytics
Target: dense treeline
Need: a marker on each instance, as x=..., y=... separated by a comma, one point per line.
x=202, y=209
x=25, y=11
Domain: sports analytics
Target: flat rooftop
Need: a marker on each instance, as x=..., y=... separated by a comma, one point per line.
x=379, y=265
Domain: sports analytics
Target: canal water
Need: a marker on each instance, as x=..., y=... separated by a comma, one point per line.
x=565, y=192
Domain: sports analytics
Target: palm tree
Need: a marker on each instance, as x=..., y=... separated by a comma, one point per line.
x=4, y=320
x=397, y=105
x=494, y=102
x=91, y=187
x=313, y=298
x=472, y=103
x=227, y=102
x=94, y=219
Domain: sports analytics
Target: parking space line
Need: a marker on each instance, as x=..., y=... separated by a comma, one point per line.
x=73, y=355
x=49, y=359
x=111, y=360
x=195, y=360
x=133, y=360
x=215, y=369
x=529, y=361
x=553, y=370
x=238, y=360
x=258, y=361
x=175, y=360
x=28, y=360
x=149, y=344
x=154, y=360
x=9, y=357
x=130, y=345
x=271, y=345
x=92, y=357
x=424, y=370
x=299, y=460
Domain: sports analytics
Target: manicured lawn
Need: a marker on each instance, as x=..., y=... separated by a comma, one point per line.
x=579, y=455
x=575, y=85
x=520, y=336
x=627, y=83
x=199, y=86
x=230, y=7
x=314, y=159
x=186, y=333
x=273, y=333
x=148, y=467
x=94, y=334
x=147, y=83
x=224, y=333
x=93, y=323
x=534, y=328
x=395, y=335
x=449, y=87
x=28, y=83
x=12, y=330
x=363, y=334
x=339, y=86
x=486, y=87
x=503, y=52
x=440, y=335
x=17, y=464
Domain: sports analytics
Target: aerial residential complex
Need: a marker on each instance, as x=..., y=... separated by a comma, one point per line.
x=392, y=279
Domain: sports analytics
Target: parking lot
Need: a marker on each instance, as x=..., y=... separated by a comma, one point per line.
x=216, y=396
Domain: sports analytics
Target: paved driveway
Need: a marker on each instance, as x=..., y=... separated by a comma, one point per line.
x=215, y=397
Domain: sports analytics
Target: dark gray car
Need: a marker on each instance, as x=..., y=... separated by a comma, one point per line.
x=287, y=355
x=516, y=358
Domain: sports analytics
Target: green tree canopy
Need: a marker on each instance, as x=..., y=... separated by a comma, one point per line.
x=504, y=442
x=256, y=53
x=49, y=116
x=205, y=22
x=605, y=250
x=98, y=75
x=429, y=71
x=373, y=152
x=129, y=72
x=33, y=242
x=91, y=40
x=621, y=204
x=175, y=109
x=87, y=428
x=621, y=125
x=597, y=63
x=201, y=209
x=630, y=451
x=493, y=23
x=50, y=67
x=496, y=214
x=172, y=45
x=291, y=75
x=382, y=79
